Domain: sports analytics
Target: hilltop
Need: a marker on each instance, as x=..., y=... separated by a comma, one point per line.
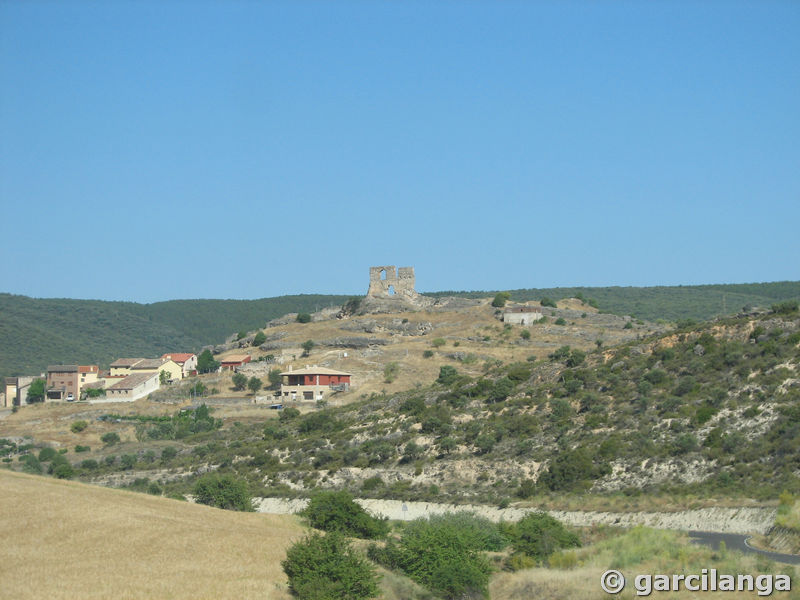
x=35, y=332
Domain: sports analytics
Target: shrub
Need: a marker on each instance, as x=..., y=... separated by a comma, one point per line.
x=287, y=414
x=438, y=342
x=427, y=353
x=789, y=306
x=538, y=535
x=447, y=375
x=545, y=301
x=560, y=321
x=303, y=318
x=89, y=464
x=80, y=448
x=169, y=453
x=31, y=464
x=223, y=491
x=47, y=454
x=307, y=347
x=109, y=439
x=127, y=461
x=328, y=568
x=500, y=299
x=442, y=554
x=259, y=338
x=390, y=372
x=78, y=426
x=525, y=334
x=337, y=511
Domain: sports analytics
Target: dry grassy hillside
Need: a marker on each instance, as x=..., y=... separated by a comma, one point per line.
x=70, y=540
x=472, y=336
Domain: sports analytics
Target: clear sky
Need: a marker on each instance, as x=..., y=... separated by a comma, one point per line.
x=161, y=150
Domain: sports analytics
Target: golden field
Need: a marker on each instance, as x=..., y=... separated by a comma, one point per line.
x=69, y=540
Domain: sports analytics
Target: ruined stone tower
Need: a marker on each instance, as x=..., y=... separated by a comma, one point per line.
x=390, y=282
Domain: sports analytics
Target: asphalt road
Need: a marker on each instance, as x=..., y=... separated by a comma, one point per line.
x=735, y=541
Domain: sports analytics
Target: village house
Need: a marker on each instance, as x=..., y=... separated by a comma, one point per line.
x=156, y=365
x=16, y=390
x=522, y=315
x=132, y=387
x=312, y=383
x=229, y=363
x=186, y=360
x=64, y=382
x=122, y=366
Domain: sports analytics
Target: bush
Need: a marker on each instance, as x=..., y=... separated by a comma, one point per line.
x=109, y=439
x=500, y=299
x=127, y=461
x=560, y=321
x=525, y=334
x=545, y=301
x=787, y=307
x=89, y=464
x=80, y=448
x=328, y=568
x=442, y=554
x=47, y=454
x=337, y=511
x=538, y=535
x=447, y=375
x=31, y=464
x=169, y=453
x=438, y=342
x=223, y=491
x=427, y=353
x=259, y=338
x=307, y=347
x=390, y=372
x=78, y=426
x=303, y=318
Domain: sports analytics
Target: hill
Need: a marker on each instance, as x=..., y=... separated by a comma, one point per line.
x=35, y=332
x=709, y=411
x=672, y=303
x=70, y=540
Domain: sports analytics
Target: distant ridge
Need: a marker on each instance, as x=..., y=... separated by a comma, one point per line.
x=35, y=332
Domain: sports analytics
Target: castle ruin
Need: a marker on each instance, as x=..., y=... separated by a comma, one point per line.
x=391, y=282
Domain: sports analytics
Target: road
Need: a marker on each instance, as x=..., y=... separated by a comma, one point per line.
x=735, y=541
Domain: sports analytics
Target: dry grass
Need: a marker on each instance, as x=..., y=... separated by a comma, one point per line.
x=70, y=540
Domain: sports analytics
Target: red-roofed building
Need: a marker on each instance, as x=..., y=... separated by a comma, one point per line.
x=232, y=361
x=186, y=360
x=313, y=383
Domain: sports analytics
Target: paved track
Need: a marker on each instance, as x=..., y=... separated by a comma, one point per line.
x=735, y=541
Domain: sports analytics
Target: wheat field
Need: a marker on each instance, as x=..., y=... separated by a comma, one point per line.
x=67, y=540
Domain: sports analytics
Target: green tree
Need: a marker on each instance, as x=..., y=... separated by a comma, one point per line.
x=275, y=378
x=307, y=347
x=328, y=568
x=223, y=491
x=206, y=362
x=239, y=381
x=337, y=511
x=254, y=384
x=163, y=377
x=259, y=339
x=500, y=299
x=545, y=301
x=538, y=535
x=36, y=390
x=303, y=318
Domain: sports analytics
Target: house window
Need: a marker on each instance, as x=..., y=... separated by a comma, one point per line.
x=308, y=395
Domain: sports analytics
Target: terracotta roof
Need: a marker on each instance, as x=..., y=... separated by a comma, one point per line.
x=149, y=363
x=315, y=371
x=235, y=358
x=88, y=368
x=133, y=381
x=126, y=362
x=62, y=369
x=178, y=357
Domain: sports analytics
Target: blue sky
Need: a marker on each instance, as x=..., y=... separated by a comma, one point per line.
x=160, y=150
